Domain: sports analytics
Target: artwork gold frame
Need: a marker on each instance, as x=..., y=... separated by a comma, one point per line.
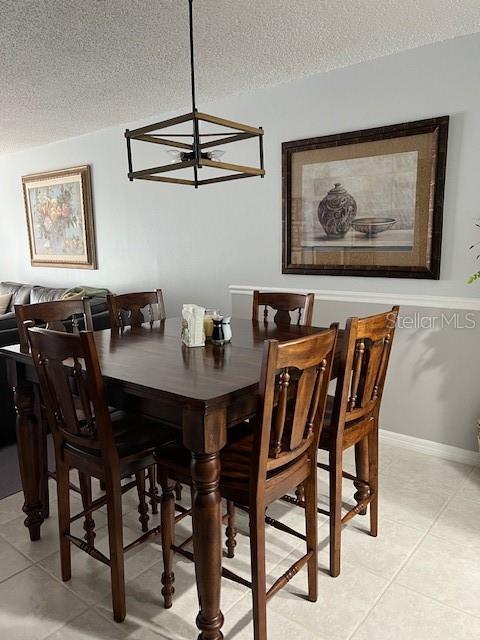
x=59, y=214
x=366, y=203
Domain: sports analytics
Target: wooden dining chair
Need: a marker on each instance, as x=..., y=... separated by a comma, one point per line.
x=65, y=315
x=284, y=304
x=93, y=441
x=60, y=315
x=260, y=467
x=352, y=420
x=134, y=309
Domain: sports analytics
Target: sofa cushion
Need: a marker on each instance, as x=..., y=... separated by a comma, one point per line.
x=8, y=321
x=45, y=294
x=20, y=293
x=4, y=302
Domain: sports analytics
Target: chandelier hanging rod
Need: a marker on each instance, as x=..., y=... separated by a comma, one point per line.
x=192, y=55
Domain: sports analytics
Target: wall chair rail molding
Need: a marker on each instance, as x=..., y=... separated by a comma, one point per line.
x=404, y=300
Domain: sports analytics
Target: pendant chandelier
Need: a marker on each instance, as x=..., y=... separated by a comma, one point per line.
x=202, y=150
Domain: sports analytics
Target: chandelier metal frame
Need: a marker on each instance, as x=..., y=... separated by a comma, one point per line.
x=196, y=151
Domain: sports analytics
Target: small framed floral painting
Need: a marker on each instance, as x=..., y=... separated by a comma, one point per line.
x=59, y=211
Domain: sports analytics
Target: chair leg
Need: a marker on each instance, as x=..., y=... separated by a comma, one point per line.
x=335, y=463
x=257, y=554
x=231, y=532
x=311, y=529
x=300, y=494
x=361, y=465
x=178, y=491
x=168, y=536
x=115, y=536
x=142, y=501
x=153, y=489
x=85, y=482
x=45, y=488
x=63, y=497
x=373, y=475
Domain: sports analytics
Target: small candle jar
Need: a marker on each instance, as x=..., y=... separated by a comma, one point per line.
x=208, y=322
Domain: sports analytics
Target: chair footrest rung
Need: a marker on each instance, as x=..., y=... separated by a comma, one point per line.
x=225, y=572
x=180, y=508
x=100, y=502
x=295, y=501
x=182, y=515
x=88, y=548
x=283, y=527
x=345, y=474
x=288, y=575
x=155, y=531
x=183, y=544
x=363, y=504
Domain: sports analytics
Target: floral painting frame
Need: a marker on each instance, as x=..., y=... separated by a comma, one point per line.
x=59, y=213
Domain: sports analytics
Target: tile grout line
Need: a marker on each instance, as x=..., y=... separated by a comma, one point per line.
x=16, y=573
x=64, y=584
x=4, y=539
x=409, y=557
x=444, y=604
x=449, y=500
x=387, y=586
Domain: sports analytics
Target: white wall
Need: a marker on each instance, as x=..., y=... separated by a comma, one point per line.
x=194, y=244
x=431, y=390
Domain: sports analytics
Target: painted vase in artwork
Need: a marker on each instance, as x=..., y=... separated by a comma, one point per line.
x=336, y=211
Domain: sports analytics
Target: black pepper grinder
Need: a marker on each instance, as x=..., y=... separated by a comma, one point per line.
x=218, y=336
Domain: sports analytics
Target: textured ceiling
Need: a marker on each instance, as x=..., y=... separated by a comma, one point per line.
x=72, y=66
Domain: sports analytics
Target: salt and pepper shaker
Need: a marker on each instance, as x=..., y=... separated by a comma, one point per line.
x=227, y=328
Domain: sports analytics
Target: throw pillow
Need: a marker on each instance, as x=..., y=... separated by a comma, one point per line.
x=4, y=302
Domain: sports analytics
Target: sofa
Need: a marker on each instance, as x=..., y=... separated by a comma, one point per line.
x=30, y=294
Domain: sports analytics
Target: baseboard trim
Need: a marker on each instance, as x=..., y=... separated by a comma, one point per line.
x=404, y=300
x=437, y=449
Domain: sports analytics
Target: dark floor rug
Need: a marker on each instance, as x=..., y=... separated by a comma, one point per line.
x=10, y=481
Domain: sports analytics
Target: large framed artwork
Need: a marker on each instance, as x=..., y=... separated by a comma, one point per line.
x=59, y=211
x=366, y=203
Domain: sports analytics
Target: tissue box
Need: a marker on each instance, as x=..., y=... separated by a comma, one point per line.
x=193, y=333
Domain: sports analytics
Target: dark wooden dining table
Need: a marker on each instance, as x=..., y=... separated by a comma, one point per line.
x=202, y=391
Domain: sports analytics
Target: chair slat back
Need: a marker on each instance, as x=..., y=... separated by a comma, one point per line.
x=284, y=304
x=134, y=309
x=71, y=386
x=368, y=343
x=292, y=403
x=59, y=315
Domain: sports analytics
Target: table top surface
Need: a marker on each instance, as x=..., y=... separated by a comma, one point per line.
x=156, y=359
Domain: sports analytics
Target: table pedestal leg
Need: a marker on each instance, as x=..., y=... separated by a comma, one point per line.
x=207, y=543
x=29, y=444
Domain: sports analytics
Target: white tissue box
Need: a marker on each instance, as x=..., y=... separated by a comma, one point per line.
x=193, y=333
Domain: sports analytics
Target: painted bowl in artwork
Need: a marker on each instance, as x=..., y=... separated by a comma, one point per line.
x=371, y=227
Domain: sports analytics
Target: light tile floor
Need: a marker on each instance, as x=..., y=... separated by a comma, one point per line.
x=419, y=580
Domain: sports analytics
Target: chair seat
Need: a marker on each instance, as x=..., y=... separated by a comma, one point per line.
x=353, y=432
x=235, y=460
x=134, y=435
